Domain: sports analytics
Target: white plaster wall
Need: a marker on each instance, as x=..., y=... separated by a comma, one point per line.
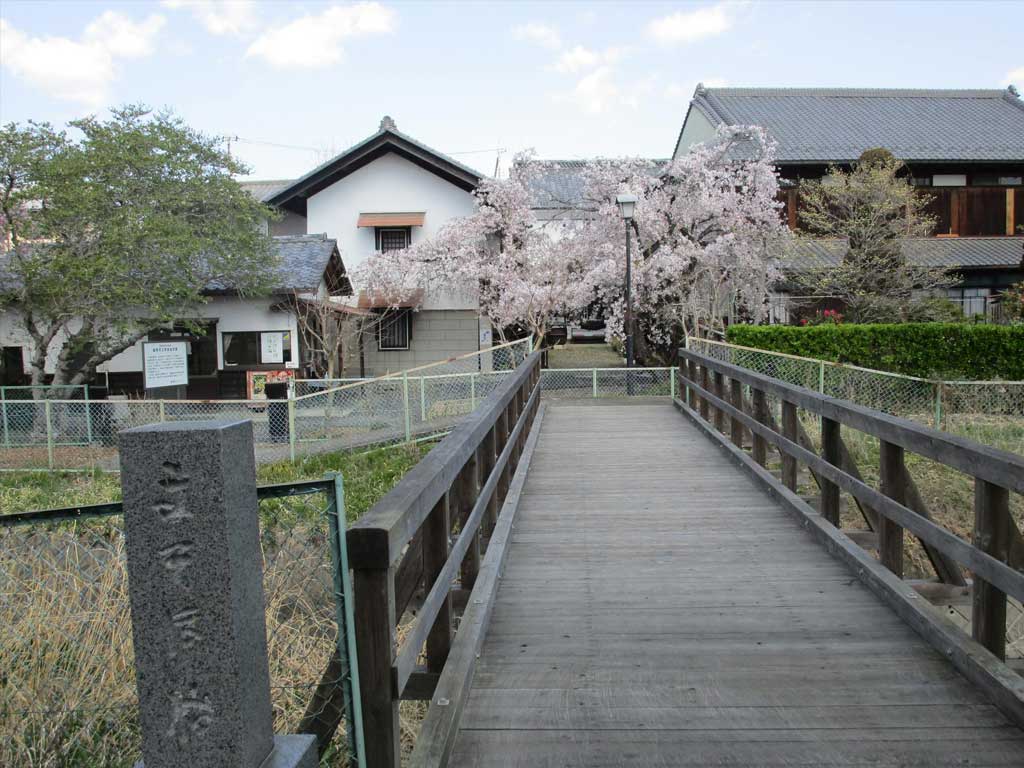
x=390, y=184
x=696, y=130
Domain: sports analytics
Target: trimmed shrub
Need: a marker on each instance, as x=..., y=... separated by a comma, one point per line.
x=930, y=350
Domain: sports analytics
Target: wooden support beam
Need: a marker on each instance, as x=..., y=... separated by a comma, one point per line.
x=468, y=489
x=761, y=414
x=992, y=536
x=735, y=425
x=893, y=484
x=1010, y=212
x=436, y=545
x=830, y=452
x=719, y=390
x=705, y=385
x=375, y=636
x=789, y=465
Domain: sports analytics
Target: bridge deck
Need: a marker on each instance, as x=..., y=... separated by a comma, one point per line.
x=659, y=609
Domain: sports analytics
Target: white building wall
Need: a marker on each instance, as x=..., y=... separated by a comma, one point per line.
x=231, y=313
x=390, y=184
x=696, y=130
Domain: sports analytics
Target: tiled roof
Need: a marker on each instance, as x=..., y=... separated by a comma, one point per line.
x=263, y=189
x=304, y=259
x=951, y=252
x=838, y=124
x=557, y=187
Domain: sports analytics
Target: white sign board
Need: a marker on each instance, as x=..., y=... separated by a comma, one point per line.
x=485, y=337
x=272, y=347
x=165, y=363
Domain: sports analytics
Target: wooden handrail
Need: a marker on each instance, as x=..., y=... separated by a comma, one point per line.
x=405, y=545
x=378, y=539
x=992, y=464
x=991, y=557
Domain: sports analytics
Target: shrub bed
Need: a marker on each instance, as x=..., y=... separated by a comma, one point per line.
x=930, y=350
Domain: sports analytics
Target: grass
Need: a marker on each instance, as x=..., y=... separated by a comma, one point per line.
x=584, y=356
x=67, y=678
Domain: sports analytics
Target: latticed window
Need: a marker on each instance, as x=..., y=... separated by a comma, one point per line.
x=394, y=330
x=392, y=239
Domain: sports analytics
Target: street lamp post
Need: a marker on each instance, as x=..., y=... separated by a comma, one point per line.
x=626, y=205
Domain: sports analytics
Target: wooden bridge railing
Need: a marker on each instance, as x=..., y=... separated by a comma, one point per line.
x=429, y=529
x=996, y=555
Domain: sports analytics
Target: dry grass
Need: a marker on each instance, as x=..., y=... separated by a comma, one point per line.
x=67, y=680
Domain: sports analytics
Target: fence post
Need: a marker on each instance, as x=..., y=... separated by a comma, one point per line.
x=789, y=431
x=195, y=587
x=405, y=398
x=472, y=391
x=893, y=483
x=831, y=451
x=594, y=385
x=821, y=376
x=49, y=432
x=3, y=413
x=291, y=429
x=88, y=416
x=938, y=404
x=672, y=382
x=163, y=414
x=423, y=399
x=759, y=402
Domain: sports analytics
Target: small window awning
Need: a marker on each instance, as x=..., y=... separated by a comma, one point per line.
x=391, y=219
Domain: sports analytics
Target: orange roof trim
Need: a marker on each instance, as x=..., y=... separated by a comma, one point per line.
x=391, y=219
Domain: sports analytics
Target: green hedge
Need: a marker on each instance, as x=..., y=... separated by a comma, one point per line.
x=931, y=350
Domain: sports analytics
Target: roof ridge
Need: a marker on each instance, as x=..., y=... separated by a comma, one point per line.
x=867, y=92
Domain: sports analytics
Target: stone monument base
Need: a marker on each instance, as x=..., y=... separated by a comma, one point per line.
x=290, y=751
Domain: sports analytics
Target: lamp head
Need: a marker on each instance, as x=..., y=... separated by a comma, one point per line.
x=626, y=205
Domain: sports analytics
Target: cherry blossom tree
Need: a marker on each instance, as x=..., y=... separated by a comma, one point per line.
x=707, y=232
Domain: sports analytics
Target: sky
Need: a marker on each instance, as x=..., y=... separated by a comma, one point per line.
x=293, y=83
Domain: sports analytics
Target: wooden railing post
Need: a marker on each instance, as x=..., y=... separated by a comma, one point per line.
x=374, y=592
x=789, y=431
x=436, y=546
x=719, y=390
x=468, y=487
x=706, y=386
x=992, y=536
x=893, y=483
x=831, y=451
x=505, y=478
x=488, y=459
x=760, y=403
x=735, y=425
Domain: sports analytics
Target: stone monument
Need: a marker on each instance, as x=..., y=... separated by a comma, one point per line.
x=195, y=582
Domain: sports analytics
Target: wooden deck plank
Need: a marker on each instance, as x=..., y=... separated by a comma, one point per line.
x=658, y=609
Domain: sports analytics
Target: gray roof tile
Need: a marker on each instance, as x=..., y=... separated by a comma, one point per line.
x=557, y=187
x=263, y=189
x=838, y=124
x=951, y=252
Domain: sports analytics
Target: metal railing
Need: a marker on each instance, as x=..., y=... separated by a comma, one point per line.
x=593, y=383
x=402, y=407
x=69, y=695
x=990, y=412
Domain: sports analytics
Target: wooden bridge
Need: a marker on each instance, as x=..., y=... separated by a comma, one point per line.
x=628, y=585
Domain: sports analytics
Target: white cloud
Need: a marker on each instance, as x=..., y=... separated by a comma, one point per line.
x=78, y=70
x=579, y=59
x=541, y=34
x=315, y=41
x=1015, y=77
x=597, y=92
x=688, y=27
x=220, y=17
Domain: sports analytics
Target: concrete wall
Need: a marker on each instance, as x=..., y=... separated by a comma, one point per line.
x=390, y=184
x=436, y=335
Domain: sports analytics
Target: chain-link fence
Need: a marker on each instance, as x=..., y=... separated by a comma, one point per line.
x=990, y=412
x=67, y=673
x=593, y=383
x=82, y=434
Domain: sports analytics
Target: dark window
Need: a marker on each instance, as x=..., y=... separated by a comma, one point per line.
x=393, y=238
x=12, y=367
x=394, y=330
x=246, y=348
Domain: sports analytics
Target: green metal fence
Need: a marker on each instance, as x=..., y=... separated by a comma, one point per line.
x=597, y=383
x=67, y=678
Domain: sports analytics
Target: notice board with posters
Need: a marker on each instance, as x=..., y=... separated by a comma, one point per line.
x=164, y=364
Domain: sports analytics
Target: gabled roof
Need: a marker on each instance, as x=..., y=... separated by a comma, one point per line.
x=835, y=125
x=387, y=139
x=950, y=252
